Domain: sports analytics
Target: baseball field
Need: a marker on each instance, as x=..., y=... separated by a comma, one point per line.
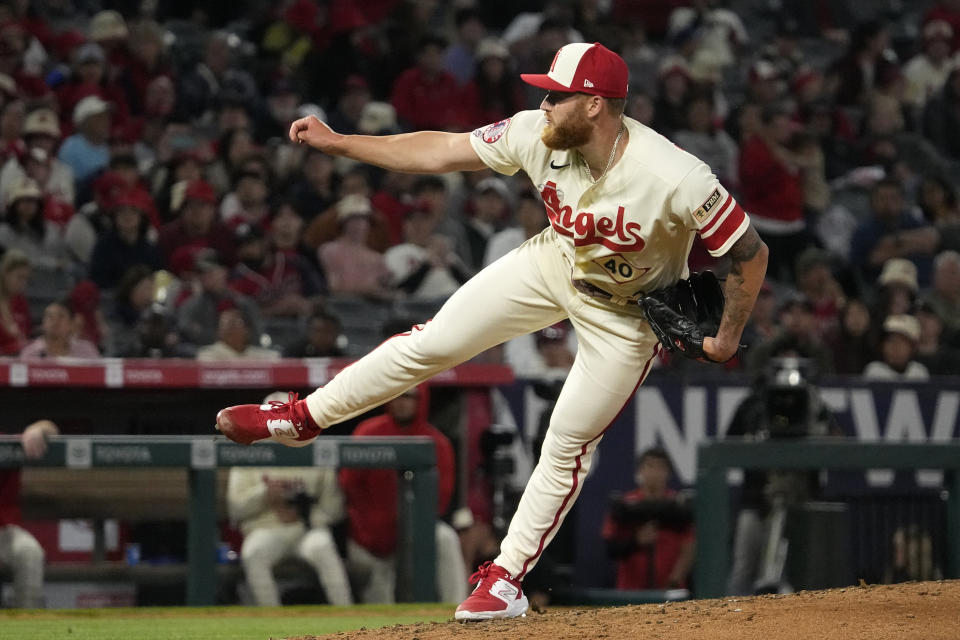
x=911, y=611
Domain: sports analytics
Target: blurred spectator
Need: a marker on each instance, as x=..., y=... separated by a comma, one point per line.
x=491, y=206
x=133, y=296
x=58, y=338
x=197, y=315
x=109, y=30
x=945, y=293
x=941, y=118
x=394, y=200
x=355, y=181
x=708, y=142
x=247, y=203
x=89, y=319
x=888, y=143
x=25, y=228
x=233, y=148
x=15, y=323
x=128, y=243
x=196, y=224
x=927, y=71
x=898, y=351
x=674, y=85
x=934, y=350
x=546, y=355
x=463, y=56
x=39, y=166
x=892, y=232
x=86, y=151
x=718, y=32
x=94, y=218
x=896, y=288
x=321, y=338
x=41, y=132
x=352, y=100
x=12, y=112
x=275, y=271
x=234, y=341
x=866, y=61
x=314, y=190
x=350, y=266
x=19, y=550
x=762, y=324
x=146, y=70
x=947, y=11
x=817, y=282
x=433, y=193
x=287, y=511
x=852, y=342
x=371, y=497
x=649, y=531
x=492, y=94
x=425, y=96
x=771, y=189
x=91, y=76
x=937, y=200
x=424, y=267
x=201, y=90
x=530, y=220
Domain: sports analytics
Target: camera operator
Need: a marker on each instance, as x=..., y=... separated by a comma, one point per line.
x=650, y=530
x=784, y=404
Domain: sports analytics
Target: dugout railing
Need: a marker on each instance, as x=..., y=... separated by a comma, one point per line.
x=414, y=458
x=714, y=518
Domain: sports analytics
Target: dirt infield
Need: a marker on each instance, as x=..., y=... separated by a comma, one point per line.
x=920, y=610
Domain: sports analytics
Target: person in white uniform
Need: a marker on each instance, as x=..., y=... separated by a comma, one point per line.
x=624, y=206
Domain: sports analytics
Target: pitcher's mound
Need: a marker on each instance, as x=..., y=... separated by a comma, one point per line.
x=916, y=610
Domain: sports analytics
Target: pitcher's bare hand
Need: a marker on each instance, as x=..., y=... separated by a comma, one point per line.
x=311, y=130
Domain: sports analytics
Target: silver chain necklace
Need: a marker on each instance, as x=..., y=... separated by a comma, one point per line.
x=613, y=153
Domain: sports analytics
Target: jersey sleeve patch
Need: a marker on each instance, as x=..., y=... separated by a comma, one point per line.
x=492, y=132
x=703, y=211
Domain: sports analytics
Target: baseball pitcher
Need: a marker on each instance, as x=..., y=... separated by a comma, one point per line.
x=624, y=206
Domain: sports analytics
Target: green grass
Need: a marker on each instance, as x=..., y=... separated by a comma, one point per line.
x=208, y=623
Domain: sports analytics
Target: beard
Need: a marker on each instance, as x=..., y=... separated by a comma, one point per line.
x=574, y=132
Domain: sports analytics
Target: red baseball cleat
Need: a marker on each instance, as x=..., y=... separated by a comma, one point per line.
x=284, y=422
x=497, y=595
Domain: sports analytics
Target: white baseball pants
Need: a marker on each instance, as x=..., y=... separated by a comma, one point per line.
x=20, y=551
x=526, y=290
x=263, y=548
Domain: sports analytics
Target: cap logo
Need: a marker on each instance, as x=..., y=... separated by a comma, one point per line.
x=587, y=83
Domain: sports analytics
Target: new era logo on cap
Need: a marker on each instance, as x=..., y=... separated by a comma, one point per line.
x=585, y=68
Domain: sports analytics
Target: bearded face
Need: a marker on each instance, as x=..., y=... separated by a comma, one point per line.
x=567, y=130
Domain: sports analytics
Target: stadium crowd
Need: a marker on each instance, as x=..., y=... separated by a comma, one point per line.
x=153, y=208
x=151, y=205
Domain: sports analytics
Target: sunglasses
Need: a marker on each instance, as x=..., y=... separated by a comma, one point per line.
x=556, y=97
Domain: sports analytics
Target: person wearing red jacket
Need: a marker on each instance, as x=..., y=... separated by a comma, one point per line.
x=371, y=496
x=771, y=189
x=425, y=96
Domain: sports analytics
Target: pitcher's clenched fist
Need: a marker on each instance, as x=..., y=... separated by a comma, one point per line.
x=315, y=132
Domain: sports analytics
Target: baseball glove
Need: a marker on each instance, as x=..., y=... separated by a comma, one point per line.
x=682, y=315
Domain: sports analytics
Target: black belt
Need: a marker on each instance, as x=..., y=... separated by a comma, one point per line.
x=594, y=291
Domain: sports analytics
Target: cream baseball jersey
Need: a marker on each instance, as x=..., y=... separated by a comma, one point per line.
x=632, y=231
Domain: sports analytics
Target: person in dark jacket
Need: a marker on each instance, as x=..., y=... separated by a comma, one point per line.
x=128, y=243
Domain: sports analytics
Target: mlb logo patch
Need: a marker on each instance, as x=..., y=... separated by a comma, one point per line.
x=703, y=212
x=493, y=132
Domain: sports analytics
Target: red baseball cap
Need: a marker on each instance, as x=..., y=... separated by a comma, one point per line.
x=584, y=68
x=200, y=190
